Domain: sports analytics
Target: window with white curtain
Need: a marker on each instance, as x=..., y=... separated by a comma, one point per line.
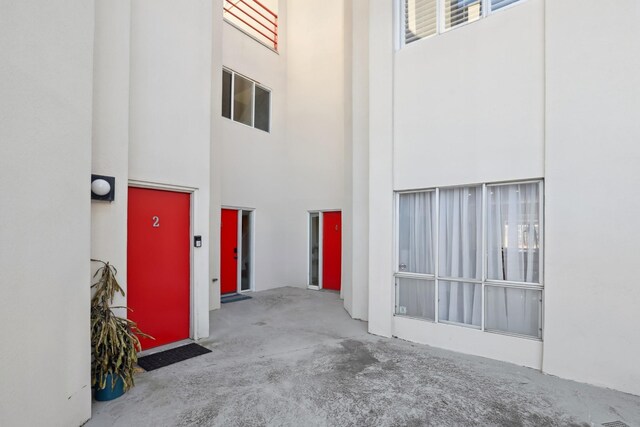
x=425, y=18
x=471, y=256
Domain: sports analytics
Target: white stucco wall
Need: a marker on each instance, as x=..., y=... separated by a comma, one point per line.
x=298, y=166
x=381, y=51
x=468, y=107
x=110, y=132
x=592, y=156
x=45, y=165
x=253, y=161
x=170, y=117
x=315, y=121
x=469, y=103
x=356, y=213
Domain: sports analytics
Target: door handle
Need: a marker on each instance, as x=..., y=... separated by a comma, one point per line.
x=403, y=266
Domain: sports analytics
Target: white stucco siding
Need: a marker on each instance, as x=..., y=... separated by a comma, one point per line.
x=253, y=161
x=469, y=108
x=469, y=103
x=592, y=156
x=45, y=166
x=170, y=116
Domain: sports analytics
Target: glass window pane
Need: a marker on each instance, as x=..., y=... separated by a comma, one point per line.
x=416, y=298
x=226, y=94
x=513, y=310
x=513, y=232
x=497, y=4
x=460, y=238
x=242, y=100
x=419, y=19
x=458, y=12
x=314, y=249
x=262, y=109
x=460, y=302
x=245, y=271
x=416, y=229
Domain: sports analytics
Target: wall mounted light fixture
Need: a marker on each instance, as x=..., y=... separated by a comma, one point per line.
x=103, y=187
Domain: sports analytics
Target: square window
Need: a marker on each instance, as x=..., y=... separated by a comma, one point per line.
x=416, y=298
x=460, y=302
x=458, y=12
x=514, y=310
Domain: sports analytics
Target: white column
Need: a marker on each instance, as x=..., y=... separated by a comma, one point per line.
x=381, y=50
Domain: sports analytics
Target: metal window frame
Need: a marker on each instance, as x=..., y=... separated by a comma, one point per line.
x=254, y=83
x=483, y=281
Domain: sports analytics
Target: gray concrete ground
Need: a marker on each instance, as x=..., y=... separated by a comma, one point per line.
x=292, y=357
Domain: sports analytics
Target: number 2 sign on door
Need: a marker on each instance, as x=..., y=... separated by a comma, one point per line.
x=156, y=221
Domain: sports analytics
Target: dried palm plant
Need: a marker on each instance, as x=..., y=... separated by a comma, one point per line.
x=114, y=340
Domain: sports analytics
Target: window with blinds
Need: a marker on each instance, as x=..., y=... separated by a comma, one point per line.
x=420, y=19
x=458, y=12
x=425, y=18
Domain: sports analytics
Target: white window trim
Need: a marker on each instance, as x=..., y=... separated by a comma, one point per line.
x=484, y=281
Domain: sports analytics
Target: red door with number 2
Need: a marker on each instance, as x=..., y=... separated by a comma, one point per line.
x=158, y=264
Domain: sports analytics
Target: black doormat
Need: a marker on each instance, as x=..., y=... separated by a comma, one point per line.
x=169, y=357
x=233, y=298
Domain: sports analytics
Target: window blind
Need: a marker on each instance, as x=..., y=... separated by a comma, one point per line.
x=420, y=19
x=458, y=12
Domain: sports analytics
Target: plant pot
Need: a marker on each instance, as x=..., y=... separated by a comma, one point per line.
x=110, y=393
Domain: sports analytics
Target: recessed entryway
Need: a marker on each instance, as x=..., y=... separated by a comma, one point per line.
x=159, y=264
x=325, y=250
x=236, y=250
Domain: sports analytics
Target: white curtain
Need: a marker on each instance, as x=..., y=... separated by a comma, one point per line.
x=417, y=213
x=513, y=236
x=460, y=255
x=513, y=232
x=416, y=298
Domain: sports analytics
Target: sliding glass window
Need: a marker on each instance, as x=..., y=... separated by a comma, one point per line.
x=245, y=101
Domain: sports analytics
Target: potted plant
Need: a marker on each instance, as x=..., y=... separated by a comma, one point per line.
x=114, y=340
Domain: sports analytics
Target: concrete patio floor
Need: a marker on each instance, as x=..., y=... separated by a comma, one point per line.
x=293, y=357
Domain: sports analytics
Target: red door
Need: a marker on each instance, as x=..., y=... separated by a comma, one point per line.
x=331, y=250
x=158, y=264
x=229, y=251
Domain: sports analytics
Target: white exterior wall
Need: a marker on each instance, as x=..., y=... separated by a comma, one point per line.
x=315, y=122
x=355, y=284
x=538, y=90
x=45, y=166
x=592, y=206
x=254, y=161
x=381, y=88
x=469, y=103
x=110, y=133
x=298, y=166
x=469, y=108
x=170, y=117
